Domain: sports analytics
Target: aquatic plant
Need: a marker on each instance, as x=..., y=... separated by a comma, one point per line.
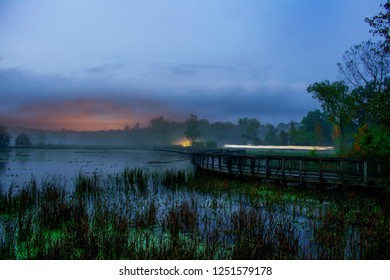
x=181, y=215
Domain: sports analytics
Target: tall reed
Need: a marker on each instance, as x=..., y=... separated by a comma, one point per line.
x=139, y=214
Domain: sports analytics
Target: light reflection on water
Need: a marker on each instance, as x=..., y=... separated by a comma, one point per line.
x=18, y=166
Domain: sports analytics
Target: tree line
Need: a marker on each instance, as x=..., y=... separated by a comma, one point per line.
x=21, y=140
x=314, y=129
x=358, y=105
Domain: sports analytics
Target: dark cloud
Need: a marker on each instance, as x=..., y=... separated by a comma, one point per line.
x=182, y=71
x=14, y=79
x=206, y=66
x=221, y=60
x=188, y=69
x=56, y=102
x=105, y=68
x=24, y=84
x=266, y=104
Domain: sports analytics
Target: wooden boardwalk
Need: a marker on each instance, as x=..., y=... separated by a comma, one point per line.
x=303, y=170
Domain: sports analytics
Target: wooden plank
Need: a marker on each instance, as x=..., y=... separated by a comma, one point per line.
x=295, y=168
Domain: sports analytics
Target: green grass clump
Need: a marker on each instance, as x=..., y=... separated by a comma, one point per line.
x=174, y=214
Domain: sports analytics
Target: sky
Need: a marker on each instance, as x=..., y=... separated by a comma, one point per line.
x=106, y=64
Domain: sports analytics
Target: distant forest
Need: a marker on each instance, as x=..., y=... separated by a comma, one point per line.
x=314, y=129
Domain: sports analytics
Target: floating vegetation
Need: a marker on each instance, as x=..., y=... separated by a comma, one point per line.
x=176, y=214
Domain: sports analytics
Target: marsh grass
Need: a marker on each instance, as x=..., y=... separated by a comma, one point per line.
x=174, y=214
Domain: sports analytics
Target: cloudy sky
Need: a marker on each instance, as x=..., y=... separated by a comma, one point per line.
x=105, y=64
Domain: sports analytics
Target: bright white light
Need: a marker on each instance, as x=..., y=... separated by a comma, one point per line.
x=268, y=147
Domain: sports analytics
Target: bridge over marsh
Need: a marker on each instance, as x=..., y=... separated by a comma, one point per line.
x=332, y=171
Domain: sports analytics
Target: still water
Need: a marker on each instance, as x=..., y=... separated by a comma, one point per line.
x=316, y=226
x=18, y=166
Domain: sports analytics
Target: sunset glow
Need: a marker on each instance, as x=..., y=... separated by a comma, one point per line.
x=76, y=115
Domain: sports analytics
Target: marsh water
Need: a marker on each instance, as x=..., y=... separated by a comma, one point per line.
x=206, y=217
x=18, y=166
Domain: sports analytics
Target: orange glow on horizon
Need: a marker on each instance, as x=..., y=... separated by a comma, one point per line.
x=75, y=115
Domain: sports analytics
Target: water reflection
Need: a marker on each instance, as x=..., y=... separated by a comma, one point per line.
x=4, y=158
x=22, y=155
x=18, y=166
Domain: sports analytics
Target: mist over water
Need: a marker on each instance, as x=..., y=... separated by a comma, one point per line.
x=19, y=166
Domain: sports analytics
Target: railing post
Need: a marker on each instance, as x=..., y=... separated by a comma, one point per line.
x=300, y=171
x=365, y=174
x=325, y=170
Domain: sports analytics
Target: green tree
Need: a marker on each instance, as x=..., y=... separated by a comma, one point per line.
x=379, y=107
x=380, y=25
x=4, y=137
x=271, y=135
x=373, y=107
x=372, y=142
x=161, y=129
x=373, y=136
x=251, y=128
x=22, y=140
x=294, y=136
x=225, y=132
x=282, y=138
x=316, y=128
x=192, y=131
x=337, y=103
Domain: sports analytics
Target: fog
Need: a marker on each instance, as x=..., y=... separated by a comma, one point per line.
x=159, y=132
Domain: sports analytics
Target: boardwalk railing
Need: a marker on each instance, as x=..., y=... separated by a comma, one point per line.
x=319, y=170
